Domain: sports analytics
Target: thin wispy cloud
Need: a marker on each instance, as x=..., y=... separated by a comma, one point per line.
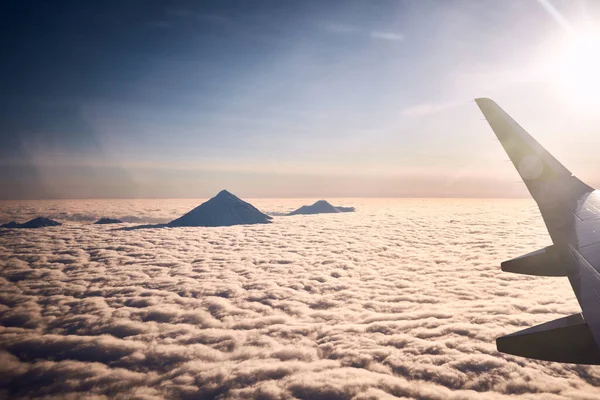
x=387, y=36
x=184, y=13
x=343, y=29
x=426, y=109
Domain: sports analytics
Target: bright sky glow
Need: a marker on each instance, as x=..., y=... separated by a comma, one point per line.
x=579, y=69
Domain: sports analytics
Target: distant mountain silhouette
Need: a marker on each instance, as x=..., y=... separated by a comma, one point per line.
x=225, y=209
x=38, y=222
x=321, y=207
x=105, y=221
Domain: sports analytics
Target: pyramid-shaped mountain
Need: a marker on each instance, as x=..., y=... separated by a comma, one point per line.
x=321, y=207
x=225, y=209
x=38, y=222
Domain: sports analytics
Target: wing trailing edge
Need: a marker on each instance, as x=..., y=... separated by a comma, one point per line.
x=566, y=340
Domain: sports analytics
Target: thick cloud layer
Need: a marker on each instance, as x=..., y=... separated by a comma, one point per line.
x=402, y=299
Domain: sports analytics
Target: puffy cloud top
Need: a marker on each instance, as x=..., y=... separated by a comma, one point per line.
x=402, y=299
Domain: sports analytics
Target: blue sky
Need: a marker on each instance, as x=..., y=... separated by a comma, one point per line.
x=283, y=99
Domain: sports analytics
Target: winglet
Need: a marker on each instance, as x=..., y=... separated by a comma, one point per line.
x=541, y=172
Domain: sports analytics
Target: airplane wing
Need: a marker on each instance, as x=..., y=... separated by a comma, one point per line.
x=571, y=212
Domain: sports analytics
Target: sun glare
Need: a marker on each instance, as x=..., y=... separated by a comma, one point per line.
x=578, y=69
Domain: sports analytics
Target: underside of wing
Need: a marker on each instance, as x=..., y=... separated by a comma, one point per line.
x=544, y=262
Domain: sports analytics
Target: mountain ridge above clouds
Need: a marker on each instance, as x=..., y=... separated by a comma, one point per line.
x=225, y=209
x=320, y=207
x=105, y=221
x=38, y=222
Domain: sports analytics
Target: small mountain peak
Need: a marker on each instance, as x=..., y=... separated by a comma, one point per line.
x=321, y=207
x=225, y=194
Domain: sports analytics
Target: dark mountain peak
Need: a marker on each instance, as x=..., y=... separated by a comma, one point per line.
x=225, y=209
x=225, y=193
x=321, y=207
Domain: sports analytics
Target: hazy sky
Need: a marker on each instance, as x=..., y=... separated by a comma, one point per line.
x=289, y=99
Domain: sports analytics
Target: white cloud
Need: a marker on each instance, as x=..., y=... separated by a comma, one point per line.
x=343, y=29
x=401, y=299
x=425, y=109
x=387, y=36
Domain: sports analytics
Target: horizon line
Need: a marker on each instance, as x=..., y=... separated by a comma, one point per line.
x=280, y=197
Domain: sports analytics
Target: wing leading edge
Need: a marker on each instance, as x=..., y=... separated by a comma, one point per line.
x=546, y=179
x=571, y=214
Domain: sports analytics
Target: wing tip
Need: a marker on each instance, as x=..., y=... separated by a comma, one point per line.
x=485, y=102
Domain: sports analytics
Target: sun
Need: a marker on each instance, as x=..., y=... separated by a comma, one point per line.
x=578, y=68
